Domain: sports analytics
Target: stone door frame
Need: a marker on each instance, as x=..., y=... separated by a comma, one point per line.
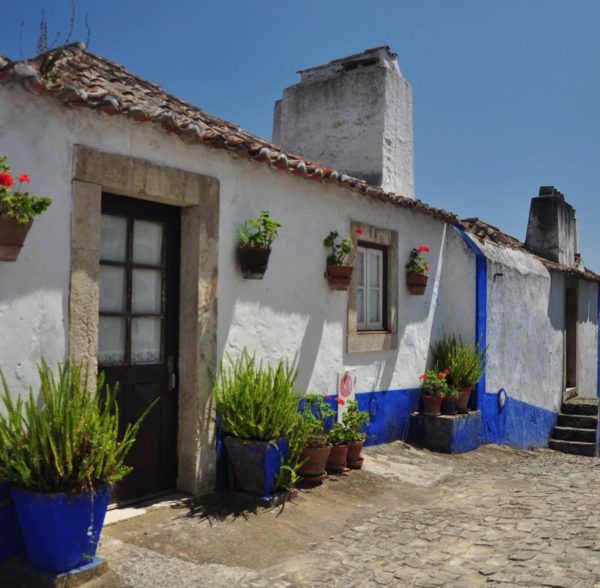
x=95, y=172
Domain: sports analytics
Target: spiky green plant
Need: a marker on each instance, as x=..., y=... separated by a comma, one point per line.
x=256, y=401
x=465, y=362
x=67, y=440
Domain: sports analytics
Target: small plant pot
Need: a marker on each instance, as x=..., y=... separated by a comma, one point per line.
x=11, y=542
x=449, y=406
x=462, y=402
x=339, y=276
x=12, y=238
x=431, y=405
x=314, y=468
x=61, y=531
x=417, y=283
x=254, y=261
x=354, y=460
x=337, y=458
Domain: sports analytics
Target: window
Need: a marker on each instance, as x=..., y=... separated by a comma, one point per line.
x=370, y=288
x=373, y=294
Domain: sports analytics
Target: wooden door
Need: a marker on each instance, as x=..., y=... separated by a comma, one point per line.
x=570, y=341
x=138, y=333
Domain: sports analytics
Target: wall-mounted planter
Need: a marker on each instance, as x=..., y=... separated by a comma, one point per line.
x=10, y=536
x=254, y=261
x=416, y=283
x=12, y=237
x=339, y=276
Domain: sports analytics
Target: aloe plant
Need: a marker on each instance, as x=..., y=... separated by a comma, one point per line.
x=67, y=440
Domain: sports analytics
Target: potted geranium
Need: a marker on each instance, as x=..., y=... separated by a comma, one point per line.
x=339, y=261
x=417, y=270
x=61, y=453
x=17, y=211
x=316, y=412
x=353, y=421
x=257, y=409
x=434, y=388
x=338, y=437
x=254, y=247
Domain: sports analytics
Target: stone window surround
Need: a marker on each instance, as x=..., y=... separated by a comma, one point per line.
x=95, y=172
x=387, y=340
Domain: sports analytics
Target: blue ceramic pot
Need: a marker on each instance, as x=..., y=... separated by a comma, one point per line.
x=10, y=536
x=61, y=531
x=256, y=464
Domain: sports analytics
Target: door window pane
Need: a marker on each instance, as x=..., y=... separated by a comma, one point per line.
x=112, y=289
x=147, y=242
x=360, y=268
x=113, y=243
x=111, y=340
x=145, y=340
x=374, y=309
x=360, y=308
x=374, y=269
x=147, y=291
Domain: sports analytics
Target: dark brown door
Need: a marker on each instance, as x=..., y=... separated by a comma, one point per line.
x=138, y=333
x=570, y=340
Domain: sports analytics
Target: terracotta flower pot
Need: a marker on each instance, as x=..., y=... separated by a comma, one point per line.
x=416, y=283
x=462, y=402
x=449, y=406
x=254, y=261
x=12, y=237
x=313, y=470
x=337, y=458
x=354, y=460
x=431, y=405
x=339, y=276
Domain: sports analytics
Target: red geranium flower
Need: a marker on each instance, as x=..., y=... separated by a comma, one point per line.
x=427, y=268
x=359, y=231
x=24, y=178
x=340, y=400
x=423, y=377
x=441, y=376
x=6, y=180
x=423, y=249
x=447, y=371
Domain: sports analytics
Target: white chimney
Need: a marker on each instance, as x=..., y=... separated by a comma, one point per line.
x=355, y=115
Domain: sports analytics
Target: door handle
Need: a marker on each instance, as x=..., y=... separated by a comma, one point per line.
x=172, y=377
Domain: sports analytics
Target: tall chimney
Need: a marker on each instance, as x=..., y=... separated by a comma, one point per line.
x=355, y=115
x=552, y=227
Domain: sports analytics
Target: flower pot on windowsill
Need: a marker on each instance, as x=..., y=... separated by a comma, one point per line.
x=254, y=261
x=12, y=237
x=416, y=283
x=339, y=276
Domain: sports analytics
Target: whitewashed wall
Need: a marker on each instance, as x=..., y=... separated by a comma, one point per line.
x=292, y=312
x=587, y=339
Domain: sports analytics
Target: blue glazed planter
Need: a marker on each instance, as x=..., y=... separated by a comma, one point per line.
x=256, y=464
x=10, y=536
x=60, y=531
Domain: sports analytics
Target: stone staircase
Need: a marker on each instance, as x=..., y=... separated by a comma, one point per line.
x=576, y=428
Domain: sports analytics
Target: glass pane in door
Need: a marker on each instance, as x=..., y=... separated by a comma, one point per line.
x=147, y=242
x=113, y=243
x=145, y=340
x=147, y=291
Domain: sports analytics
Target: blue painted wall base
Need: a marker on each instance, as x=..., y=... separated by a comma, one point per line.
x=447, y=434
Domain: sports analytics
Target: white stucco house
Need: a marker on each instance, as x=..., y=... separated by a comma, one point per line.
x=133, y=268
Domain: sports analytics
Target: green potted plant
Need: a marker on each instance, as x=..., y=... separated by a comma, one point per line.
x=338, y=437
x=257, y=410
x=61, y=453
x=417, y=270
x=17, y=211
x=354, y=420
x=254, y=247
x=465, y=364
x=339, y=261
x=316, y=411
x=434, y=388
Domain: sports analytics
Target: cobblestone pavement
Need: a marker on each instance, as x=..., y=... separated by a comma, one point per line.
x=536, y=524
x=513, y=519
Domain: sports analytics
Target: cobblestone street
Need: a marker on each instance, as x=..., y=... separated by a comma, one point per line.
x=495, y=517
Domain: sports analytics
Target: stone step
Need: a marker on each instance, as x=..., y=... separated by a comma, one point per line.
x=574, y=447
x=577, y=420
x=589, y=406
x=574, y=434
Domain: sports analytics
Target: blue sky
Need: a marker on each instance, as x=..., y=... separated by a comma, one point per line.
x=506, y=92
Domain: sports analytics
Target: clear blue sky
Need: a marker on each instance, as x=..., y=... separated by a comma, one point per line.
x=506, y=92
